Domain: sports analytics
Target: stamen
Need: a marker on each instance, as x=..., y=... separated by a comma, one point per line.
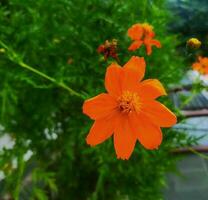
x=147, y=28
x=128, y=102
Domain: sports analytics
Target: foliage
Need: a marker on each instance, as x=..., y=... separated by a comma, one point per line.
x=191, y=22
x=60, y=38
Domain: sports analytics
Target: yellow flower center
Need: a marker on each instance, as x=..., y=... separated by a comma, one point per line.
x=147, y=28
x=128, y=102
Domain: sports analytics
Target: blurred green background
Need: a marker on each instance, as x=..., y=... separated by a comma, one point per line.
x=49, y=158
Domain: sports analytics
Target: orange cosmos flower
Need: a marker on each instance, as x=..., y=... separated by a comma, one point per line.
x=128, y=110
x=142, y=34
x=201, y=65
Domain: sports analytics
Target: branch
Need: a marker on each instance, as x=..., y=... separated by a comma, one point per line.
x=16, y=59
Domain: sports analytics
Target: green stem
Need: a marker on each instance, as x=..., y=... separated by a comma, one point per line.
x=21, y=168
x=144, y=9
x=22, y=64
x=188, y=100
x=4, y=98
x=99, y=184
x=15, y=58
x=198, y=154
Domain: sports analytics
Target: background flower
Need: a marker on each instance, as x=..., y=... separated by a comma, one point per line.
x=142, y=34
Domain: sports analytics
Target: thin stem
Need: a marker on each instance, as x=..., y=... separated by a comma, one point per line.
x=15, y=58
x=22, y=64
x=188, y=100
x=144, y=10
x=4, y=98
x=19, y=177
x=198, y=154
x=99, y=184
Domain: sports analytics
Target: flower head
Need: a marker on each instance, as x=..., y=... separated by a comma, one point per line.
x=193, y=43
x=142, y=34
x=109, y=49
x=129, y=110
x=201, y=65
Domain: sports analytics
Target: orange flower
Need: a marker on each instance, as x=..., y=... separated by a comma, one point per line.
x=198, y=67
x=128, y=109
x=201, y=66
x=142, y=34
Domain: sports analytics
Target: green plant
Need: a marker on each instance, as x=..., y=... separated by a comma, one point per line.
x=59, y=39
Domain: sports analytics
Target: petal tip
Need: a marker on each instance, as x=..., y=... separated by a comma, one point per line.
x=152, y=147
x=132, y=48
x=89, y=141
x=175, y=120
x=123, y=157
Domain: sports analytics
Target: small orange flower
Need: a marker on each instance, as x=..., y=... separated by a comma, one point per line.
x=128, y=110
x=201, y=65
x=142, y=34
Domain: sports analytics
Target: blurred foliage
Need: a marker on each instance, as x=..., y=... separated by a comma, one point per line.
x=191, y=21
x=60, y=39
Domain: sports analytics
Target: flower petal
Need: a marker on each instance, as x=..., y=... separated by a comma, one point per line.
x=135, y=45
x=124, y=140
x=159, y=114
x=101, y=130
x=148, y=49
x=113, y=79
x=151, y=89
x=149, y=43
x=99, y=106
x=150, y=34
x=156, y=43
x=135, y=32
x=149, y=135
x=133, y=72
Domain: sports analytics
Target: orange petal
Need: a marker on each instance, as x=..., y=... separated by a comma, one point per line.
x=156, y=43
x=196, y=66
x=135, y=45
x=135, y=32
x=206, y=70
x=200, y=58
x=150, y=34
x=113, y=79
x=124, y=140
x=149, y=43
x=159, y=114
x=148, y=49
x=149, y=135
x=151, y=89
x=133, y=72
x=101, y=130
x=204, y=61
x=99, y=106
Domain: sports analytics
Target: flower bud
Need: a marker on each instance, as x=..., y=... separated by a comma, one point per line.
x=193, y=43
